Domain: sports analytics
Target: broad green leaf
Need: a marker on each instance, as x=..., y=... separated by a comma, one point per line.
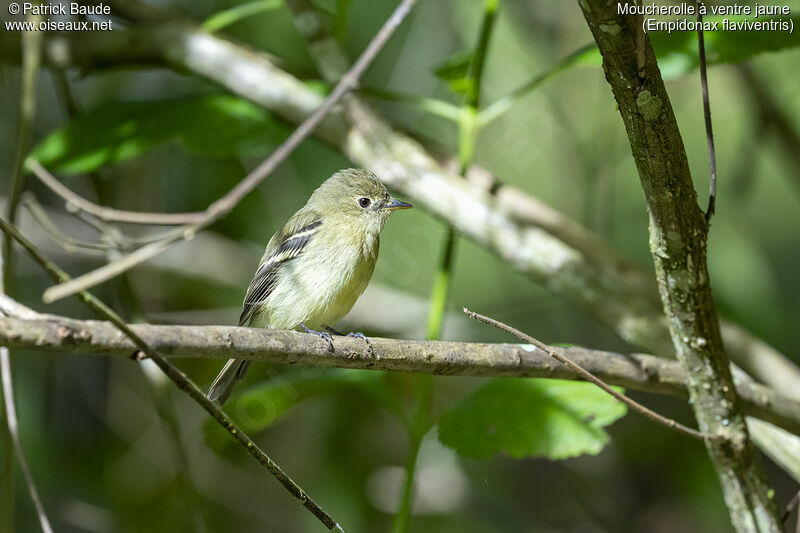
x=260, y=406
x=215, y=125
x=531, y=418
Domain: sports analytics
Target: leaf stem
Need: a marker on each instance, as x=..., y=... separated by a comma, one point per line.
x=225, y=18
x=420, y=425
x=467, y=136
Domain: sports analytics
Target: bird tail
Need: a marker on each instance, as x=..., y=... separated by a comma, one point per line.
x=221, y=388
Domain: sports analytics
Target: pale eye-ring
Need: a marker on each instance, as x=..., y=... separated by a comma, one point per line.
x=364, y=202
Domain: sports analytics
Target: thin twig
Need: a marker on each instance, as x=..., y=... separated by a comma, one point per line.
x=712, y=153
x=224, y=205
x=588, y=376
x=65, y=241
x=176, y=376
x=13, y=427
x=790, y=507
x=77, y=203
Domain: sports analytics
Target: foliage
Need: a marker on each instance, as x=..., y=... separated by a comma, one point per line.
x=531, y=418
x=217, y=125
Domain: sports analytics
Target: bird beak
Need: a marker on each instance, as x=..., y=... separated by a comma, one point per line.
x=396, y=204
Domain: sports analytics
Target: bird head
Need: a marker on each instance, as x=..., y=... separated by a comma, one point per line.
x=357, y=193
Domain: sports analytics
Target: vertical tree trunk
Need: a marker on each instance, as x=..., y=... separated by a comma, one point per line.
x=678, y=232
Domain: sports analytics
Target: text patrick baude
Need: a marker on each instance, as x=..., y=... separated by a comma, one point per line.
x=73, y=8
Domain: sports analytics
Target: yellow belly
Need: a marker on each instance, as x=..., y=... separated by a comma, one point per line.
x=317, y=289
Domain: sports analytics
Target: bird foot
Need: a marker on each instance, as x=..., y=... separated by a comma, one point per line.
x=321, y=334
x=355, y=334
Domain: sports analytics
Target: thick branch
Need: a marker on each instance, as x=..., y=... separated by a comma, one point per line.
x=637, y=372
x=678, y=230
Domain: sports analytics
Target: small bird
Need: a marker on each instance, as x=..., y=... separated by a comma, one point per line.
x=317, y=265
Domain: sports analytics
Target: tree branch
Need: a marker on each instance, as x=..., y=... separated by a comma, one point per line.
x=678, y=231
x=645, y=373
x=77, y=203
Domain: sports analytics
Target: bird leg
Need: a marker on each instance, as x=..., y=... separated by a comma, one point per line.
x=321, y=334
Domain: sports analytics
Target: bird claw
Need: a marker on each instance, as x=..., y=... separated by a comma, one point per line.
x=355, y=334
x=321, y=334
x=359, y=335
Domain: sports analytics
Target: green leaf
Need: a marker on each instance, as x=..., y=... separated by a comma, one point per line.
x=225, y=18
x=454, y=67
x=531, y=418
x=455, y=71
x=260, y=406
x=215, y=125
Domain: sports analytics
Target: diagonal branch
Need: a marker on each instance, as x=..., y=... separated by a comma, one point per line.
x=588, y=376
x=178, y=378
x=77, y=203
x=13, y=428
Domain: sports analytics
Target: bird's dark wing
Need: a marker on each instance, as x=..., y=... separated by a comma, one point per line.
x=286, y=245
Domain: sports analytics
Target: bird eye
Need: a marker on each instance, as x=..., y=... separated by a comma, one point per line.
x=364, y=202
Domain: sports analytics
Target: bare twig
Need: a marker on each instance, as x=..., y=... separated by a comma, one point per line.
x=712, y=153
x=588, y=376
x=65, y=241
x=176, y=376
x=77, y=203
x=224, y=205
x=13, y=426
x=790, y=507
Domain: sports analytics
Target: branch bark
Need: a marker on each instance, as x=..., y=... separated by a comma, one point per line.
x=678, y=231
x=645, y=373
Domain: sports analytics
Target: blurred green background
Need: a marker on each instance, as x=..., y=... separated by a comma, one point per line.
x=114, y=447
